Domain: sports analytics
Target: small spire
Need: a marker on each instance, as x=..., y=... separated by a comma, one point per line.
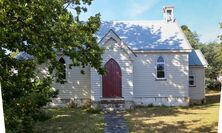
x=168, y=14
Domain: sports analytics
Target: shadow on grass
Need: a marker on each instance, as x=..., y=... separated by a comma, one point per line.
x=206, y=128
x=178, y=127
x=197, y=118
x=150, y=112
x=72, y=120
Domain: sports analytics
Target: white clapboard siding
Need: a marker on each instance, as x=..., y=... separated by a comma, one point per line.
x=96, y=85
x=176, y=73
x=115, y=51
x=77, y=85
x=197, y=92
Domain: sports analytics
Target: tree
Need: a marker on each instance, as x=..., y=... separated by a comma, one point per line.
x=41, y=29
x=220, y=49
x=220, y=35
x=191, y=36
x=212, y=54
x=214, y=68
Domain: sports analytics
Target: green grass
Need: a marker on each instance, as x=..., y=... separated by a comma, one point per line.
x=199, y=118
x=69, y=120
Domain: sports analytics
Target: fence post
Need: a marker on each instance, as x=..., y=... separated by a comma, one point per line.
x=220, y=110
x=2, y=121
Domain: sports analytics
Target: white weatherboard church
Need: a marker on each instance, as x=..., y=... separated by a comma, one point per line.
x=147, y=63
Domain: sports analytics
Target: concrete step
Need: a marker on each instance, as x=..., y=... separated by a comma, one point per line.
x=112, y=101
x=112, y=109
x=112, y=105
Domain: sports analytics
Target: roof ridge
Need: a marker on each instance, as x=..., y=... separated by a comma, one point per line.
x=133, y=21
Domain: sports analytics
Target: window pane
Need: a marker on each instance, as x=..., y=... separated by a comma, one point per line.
x=160, y=59
x=160, y=74
x=191, y=82
x=191, y=77
x=160, y=67
x=62, y=70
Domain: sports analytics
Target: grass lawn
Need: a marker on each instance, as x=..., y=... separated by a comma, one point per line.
x=199, y=118
x=69, y=120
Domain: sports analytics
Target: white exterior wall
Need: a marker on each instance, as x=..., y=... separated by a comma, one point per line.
x=159, y=101
x=197, y=92
x=96, y=85
x=77, y=85
x=176, y=73
x=139, y=82
x=115, y=51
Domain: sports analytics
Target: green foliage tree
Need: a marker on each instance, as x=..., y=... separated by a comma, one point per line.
x=212, y=52
x=192, y=37
x=40, y=28
x=220, y=49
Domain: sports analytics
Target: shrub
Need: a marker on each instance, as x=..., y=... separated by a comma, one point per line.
x=93, y=111
x=43, y=115
x=213, y=85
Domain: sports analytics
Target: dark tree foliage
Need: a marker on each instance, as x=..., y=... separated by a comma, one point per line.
x=41, y=28
x=220, y=48
x=192, y=37
x=213, y=54
x=210, y=52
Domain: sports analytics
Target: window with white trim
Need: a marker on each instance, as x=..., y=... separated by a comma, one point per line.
x=191, y=80
x=160, y=72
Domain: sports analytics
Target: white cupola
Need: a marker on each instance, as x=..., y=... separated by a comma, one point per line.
x=168, y=14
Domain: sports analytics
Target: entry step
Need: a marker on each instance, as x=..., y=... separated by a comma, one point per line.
x=112, y=101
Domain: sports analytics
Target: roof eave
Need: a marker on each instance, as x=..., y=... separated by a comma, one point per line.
x=163, y=51
x=202, y=66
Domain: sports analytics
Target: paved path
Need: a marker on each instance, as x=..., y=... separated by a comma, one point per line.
x=114, y=123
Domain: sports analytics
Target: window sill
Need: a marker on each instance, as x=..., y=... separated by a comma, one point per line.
x=160, y=79
x=62, y=81
x=192, y=85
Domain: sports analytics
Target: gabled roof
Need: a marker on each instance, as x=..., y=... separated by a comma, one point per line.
x=112, y=35
x=196, y=58
x=147, y=35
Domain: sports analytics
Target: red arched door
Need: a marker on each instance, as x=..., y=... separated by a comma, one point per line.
x=112, y=80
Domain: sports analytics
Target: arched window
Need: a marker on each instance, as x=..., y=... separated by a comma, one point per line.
x=62, y=72
x=160, y=67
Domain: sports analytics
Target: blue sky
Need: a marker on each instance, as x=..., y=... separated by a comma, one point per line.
x=201, y=16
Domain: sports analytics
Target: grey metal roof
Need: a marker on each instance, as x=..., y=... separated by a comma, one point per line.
x=196, y=58
x=24, y=56
x=147, y=35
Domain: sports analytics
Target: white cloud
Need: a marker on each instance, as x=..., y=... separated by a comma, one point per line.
x=209, y=37
x=209, y=34
x=138, y=7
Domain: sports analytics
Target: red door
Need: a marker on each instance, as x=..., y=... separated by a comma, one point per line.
x=112, y=80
